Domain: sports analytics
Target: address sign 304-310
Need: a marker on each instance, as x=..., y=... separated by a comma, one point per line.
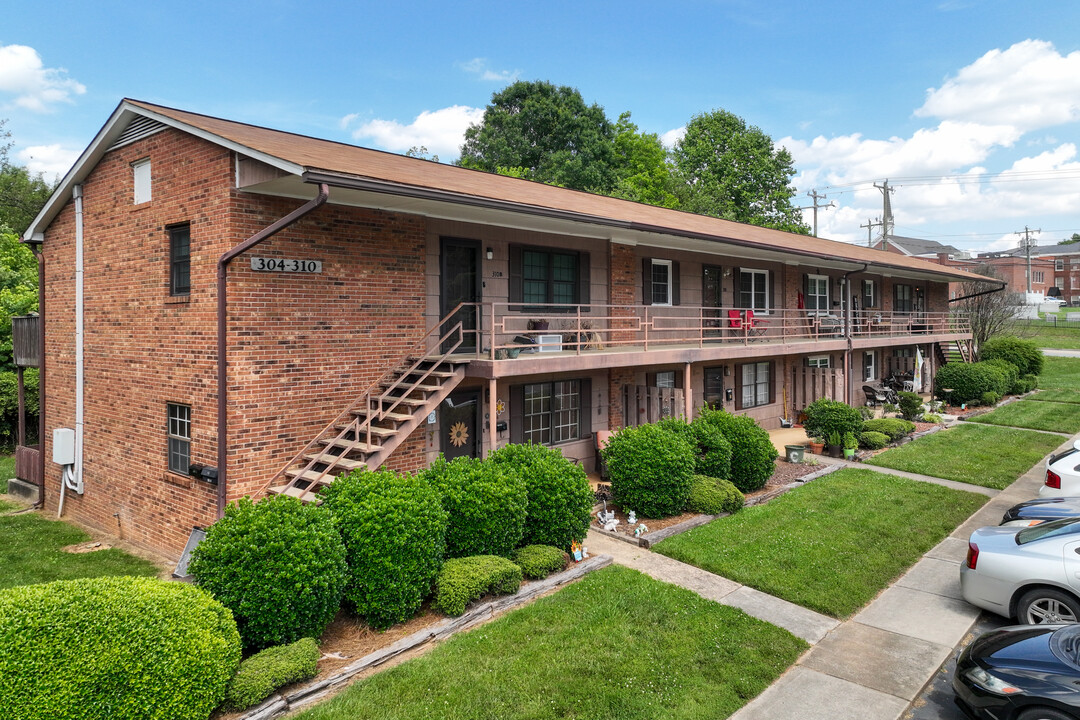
x=265, y=264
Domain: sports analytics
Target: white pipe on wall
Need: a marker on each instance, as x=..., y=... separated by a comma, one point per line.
x=72, y=475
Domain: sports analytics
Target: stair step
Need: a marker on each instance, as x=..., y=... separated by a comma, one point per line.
x=340, y=462
x=316, y=477
x=410, y=388
x=376, y=431
x=358, y=446
x=411, y=402
x=395, y=416
x=301, y=493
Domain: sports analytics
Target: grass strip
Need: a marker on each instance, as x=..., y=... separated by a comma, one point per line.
x=7, y=471
x=984, y=455
x=617, y=644
x=1056, y=417
x=1056, y=396
x=1060, y=373
x=832, y=544
x=30, y=553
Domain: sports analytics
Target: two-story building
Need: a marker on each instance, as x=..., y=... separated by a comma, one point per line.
x=230, y=310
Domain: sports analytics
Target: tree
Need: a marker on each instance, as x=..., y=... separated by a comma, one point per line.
x=22, y=194
x=733, y=171
x=990, y=314
x=541, y=132
x=1074, y=239
x=642, y=168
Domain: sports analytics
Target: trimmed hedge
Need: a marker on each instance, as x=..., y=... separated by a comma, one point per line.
x=650, y=470
x=114, y=647
x=968, y=381
x=539, y=561
x=753, y=455
x=894, y=428
x=713, y=496
x=1026, y=384
x=825, y=416
x=485, y=504
x=263, y=673
x=910, y=405
x=1024, y=354
x=394, y=528
x=559, y=497
x=463, y=580
x=871, y=440
x=278, y=564
x=712, y=451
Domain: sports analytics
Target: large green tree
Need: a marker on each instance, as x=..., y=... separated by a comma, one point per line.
x=732, y=170
x=22, y=193
x=642, y=170
x=538, y=131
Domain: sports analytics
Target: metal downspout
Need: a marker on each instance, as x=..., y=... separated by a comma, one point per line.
x=41, y=374
x=223, y=327
x=847, y=331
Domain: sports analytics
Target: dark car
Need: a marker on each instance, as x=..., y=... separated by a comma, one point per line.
x=1021, y=672
x=1040, y=510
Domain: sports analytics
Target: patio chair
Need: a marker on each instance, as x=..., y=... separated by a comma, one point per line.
x=756, y=327
x=874, y=396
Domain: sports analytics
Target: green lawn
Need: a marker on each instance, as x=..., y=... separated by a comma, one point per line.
x=1056, y=396
x=983, y=455
x=831, y=545
x=30, y=553
x=1058, y=417
x=1060, y=373
x=616, y=645
x=7, y=471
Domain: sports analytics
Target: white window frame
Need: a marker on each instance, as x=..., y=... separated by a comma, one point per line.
x=143, y=181
x=178, y=431
x=666, y=379
x=1059, y=264
x=819, y=361
x=871, y=286
x=1038, y=276
x=869, y=366
x=761, y=276
x=653, y=285
x=819, y=300
x=755, y=393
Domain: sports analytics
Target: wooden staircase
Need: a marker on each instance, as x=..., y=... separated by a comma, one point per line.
x=374, y=425
x=954, y=351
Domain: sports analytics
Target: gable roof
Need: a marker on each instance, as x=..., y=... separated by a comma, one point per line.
x=919, y=246
x=311, y=160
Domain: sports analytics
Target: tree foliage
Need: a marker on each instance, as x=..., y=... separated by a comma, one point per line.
x=22, y=193
x=991, y=313
x=1075, y=238
x=642, y=168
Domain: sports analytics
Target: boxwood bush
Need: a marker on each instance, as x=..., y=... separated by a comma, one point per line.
x=1026, y=384
x=967, y=382
x=485, y=503
x=650, y=470
x=1010, y=371
x=394, y=528
x=871, y=440
x=539, y=561
x=893, y=428
x=266, y=671
x=910, y=405
x=463, y=580
x=1024, y=354
x=559, y=497
x=713, y=496
x=114, y=647
x=278, y=564
x=753, y=455
x=712, y=451
x=825, y=416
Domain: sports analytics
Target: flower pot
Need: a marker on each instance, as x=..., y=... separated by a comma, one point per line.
x=815, y=448
x=849, y=453
x=835, y=450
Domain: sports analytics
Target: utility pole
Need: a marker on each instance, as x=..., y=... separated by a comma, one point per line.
x=870, y=225
x=886, y=213
x=813, y=194
x=1026, y=243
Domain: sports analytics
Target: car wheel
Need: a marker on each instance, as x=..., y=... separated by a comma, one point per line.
x=1045, y=605
x=1041, y=713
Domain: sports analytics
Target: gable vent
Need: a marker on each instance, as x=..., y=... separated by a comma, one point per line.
x=137, y=129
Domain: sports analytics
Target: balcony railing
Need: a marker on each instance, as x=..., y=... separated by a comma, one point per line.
x=507, y=329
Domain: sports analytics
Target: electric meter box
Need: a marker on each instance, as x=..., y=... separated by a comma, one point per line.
x=63, y=446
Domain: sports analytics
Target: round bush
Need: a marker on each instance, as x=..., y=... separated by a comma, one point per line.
x=894, y=428
x=713, y=496
x=650, y=470
x=1024, y=354
x=114, y=647
x=278, y=564
x=486, y=505
x=871, y=440
x=463, y=580
x=266, y=671
x=968, y=381
x=539, y=561
x=910, y=405
x=394, y=528
x=712, y=451
x=559, y=497
x=1011, y=373
x=989, y=398
x=1027, y=383
x=825, y=416
x=753, y=455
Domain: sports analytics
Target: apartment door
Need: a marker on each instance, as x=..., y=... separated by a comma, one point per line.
x=460, y=283
x=460, y=425
x=712, y=298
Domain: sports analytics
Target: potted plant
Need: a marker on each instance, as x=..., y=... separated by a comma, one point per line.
x=851, y=443
x=816, y=445
x=835, y=444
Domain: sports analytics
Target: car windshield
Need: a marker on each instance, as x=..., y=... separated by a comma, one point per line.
x=1054, y=528
x=1065, y=644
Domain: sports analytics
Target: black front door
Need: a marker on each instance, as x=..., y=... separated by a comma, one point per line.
x=459, y=422
x=460, y=278
x=712, y=298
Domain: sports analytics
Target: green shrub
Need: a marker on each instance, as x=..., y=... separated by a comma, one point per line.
x=850, y=441
x=9, y=402
x=1024, y=354
x=713, y=496
x=712, y=451
x=559, y=497
x=1011, y=373
x=825, y=416
x=894, y=428
x=1026, y=384
x=834, y=439
x=394, y=528
x=539, y=561
x=872, y=440
x=485, y=505
x=931, y=418
x=989, y=398
x=910, y=405
x=278, y=564
x=752, y=453
x=968, y=381
x=650, y=470
x=114, y=647
x=463, y=580
x=263, y=673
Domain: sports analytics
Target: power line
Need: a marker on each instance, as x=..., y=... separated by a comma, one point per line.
x=816, y=206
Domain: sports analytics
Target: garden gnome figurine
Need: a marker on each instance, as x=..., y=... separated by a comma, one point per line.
x=631, y=518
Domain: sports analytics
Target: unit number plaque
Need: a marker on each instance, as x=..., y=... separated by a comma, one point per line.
x=265, y=264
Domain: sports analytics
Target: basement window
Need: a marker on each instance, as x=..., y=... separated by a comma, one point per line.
x=179, y=433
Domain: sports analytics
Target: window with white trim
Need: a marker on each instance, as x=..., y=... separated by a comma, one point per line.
x=869, y=294
x=661, y=282
x=1038, y=276
x=1059, y=264
x=755, y=384
x=819, y=361
x=754, y=290
x=179, y=434
x=143, y=186
x=869, y=365
x=665, y=379
x=817, y=294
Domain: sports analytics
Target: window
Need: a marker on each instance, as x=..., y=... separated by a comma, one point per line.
x=549, y=277
x=869, y=294
x=817, y=293
x=902, y=298
x=143, y=189
x=180, y=259
x=903, y=352
x=1074, y=283
x=551, y=412
x=754, y=290
x=661, y=282
x=1037, y=276
x=755, y=384
x=179, y=433
x=665, y=379
x=869, y=364
x=1059, y=264
x=819, y=361
x=1074, y=261
x=714, y=387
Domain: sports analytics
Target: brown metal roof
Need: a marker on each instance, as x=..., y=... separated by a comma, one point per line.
x=327, y=156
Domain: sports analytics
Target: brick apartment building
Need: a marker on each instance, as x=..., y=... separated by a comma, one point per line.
x=384, y=309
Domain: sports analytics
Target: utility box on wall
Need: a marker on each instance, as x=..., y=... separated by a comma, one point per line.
x=63, y=446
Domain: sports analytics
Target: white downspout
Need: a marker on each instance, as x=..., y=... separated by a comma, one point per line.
x=72, y=474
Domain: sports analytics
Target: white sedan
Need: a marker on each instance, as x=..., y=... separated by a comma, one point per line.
x=1062, y=474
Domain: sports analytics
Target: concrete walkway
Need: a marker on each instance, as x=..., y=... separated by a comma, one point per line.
x=872, y=666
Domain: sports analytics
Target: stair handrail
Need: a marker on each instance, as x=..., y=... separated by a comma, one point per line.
x=427, y=356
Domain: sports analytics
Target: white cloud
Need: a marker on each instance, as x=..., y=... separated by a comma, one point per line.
x=480, y=68
x=348, y=120
x=441, y=131
x=34, y=86
x=1029, y=86
x=673, y=136
x=53, y=161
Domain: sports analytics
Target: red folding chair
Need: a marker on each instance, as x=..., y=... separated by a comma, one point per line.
x=735, y=320
x=755, y=327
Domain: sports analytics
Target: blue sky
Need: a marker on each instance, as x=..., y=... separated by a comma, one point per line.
x=971, y=108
